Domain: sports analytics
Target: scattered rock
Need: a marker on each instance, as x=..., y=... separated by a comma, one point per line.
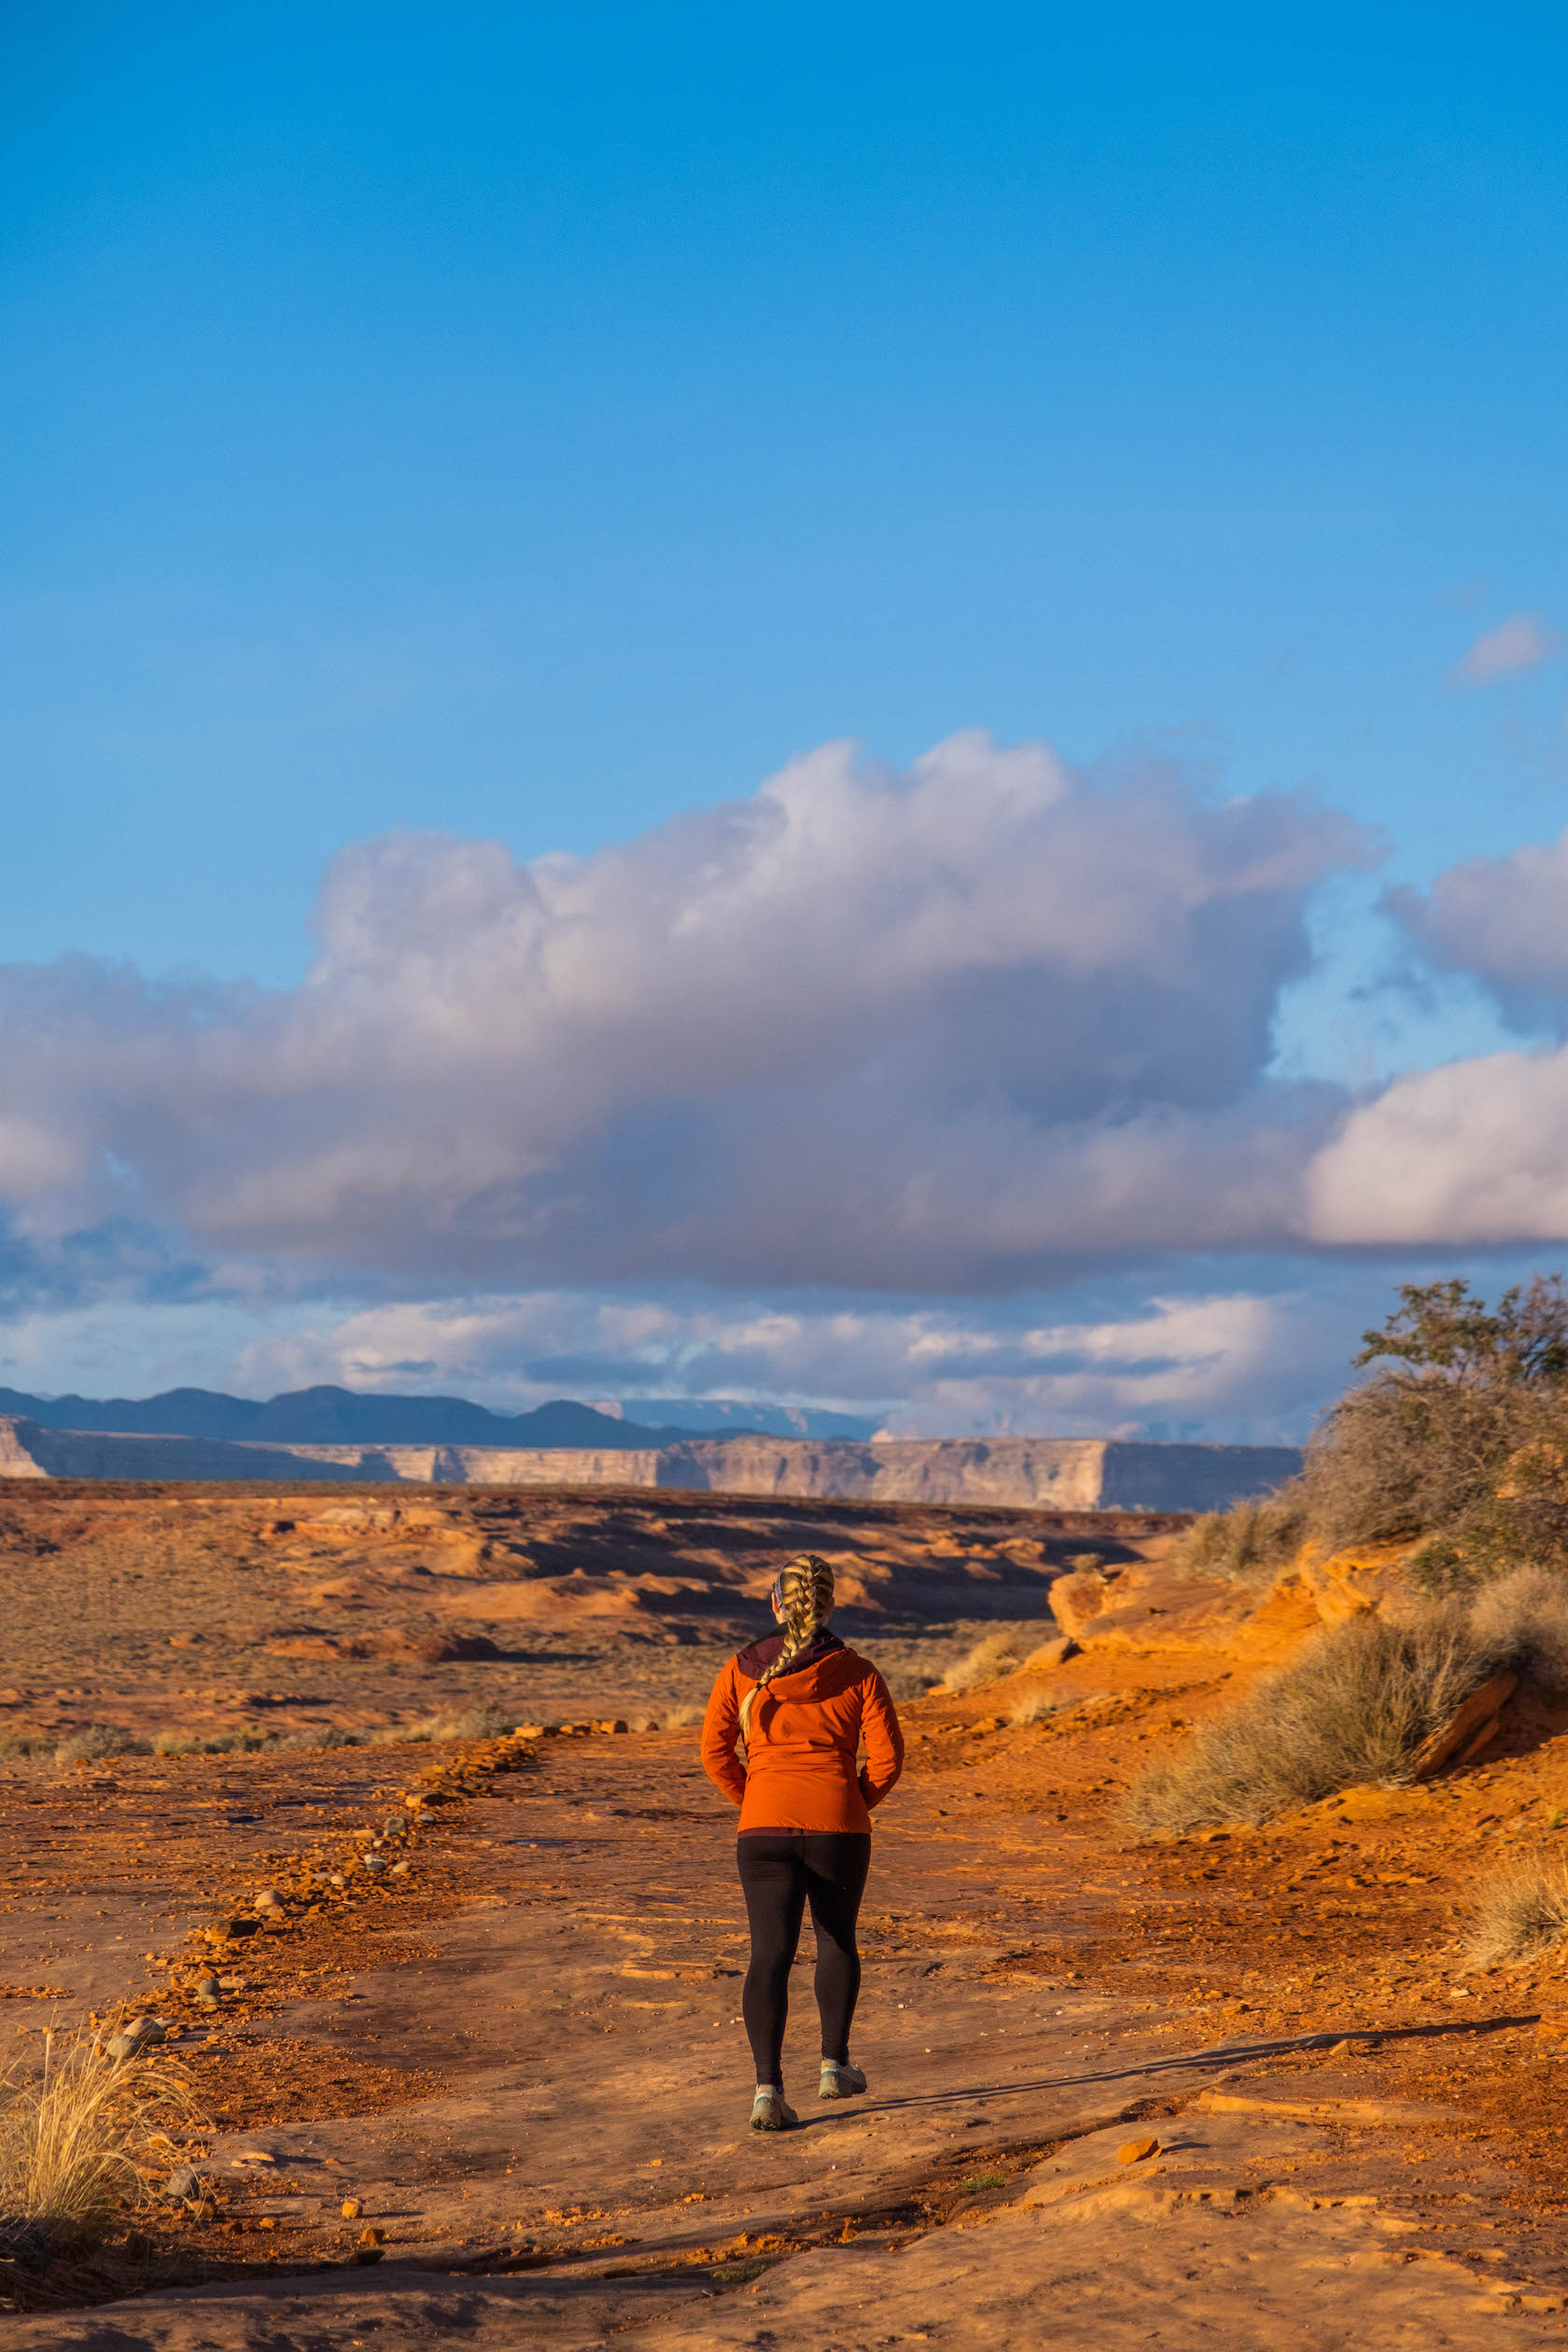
x=140, y=2035
x=375, y=1864
x=399, y=1870
x=352, y=2208
x=269, y=1900
x=370, y=2236
x=184, y=2185
x=1055, y=1653
x=1468, y=1729
x=394, y=1826
x=1133, y=2152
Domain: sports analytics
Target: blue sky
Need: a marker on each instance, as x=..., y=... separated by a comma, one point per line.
x=538, y=426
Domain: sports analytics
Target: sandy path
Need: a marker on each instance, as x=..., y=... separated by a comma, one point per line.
x=584, y=2171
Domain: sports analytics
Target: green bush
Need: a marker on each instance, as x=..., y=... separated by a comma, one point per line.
x=1457, y=1441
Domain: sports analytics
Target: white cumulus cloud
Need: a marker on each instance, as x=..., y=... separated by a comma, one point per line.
x=938, y=1028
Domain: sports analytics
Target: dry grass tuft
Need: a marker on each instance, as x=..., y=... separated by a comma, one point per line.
x=1033, y=1707
x=74, y=2139
x=1355, y=1705
x=1000, y=1653
x=1521, y=1912
x=1521, y=1620
x=93, y=1742
x=457, y=1723
x=1248, y=1543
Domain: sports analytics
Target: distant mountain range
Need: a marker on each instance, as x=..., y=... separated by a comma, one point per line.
x=339, y=1417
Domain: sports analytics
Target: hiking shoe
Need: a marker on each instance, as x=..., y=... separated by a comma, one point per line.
x=840, y=2081
x=769, y=2112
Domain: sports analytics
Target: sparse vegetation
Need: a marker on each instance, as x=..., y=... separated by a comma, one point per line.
x=998, y=1653
x=74, y=2138
x=1357, y=1704
x=1033, y=1707
x=1521, y=1912
x=459, y=1723
x=94, y=1743
x=1457, y=1442
x=911, y=1682
x=1250, y=1542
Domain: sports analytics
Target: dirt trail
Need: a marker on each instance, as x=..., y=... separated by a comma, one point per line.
x=526, y=2065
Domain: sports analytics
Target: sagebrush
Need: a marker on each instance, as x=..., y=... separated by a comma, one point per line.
x=1519, y=1911
x=1357, y=1703
x=996, y=1654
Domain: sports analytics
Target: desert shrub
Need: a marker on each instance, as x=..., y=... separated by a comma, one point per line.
x=678, y=1718
x=1520, y=1910
x=1521, y=1621
x=1355, y=1704
x=459, y=1723
x=1087, y=1563
x=1459, y=1436
x=995, y=1655
x=94, y=1742
x=1033, y=1707
x=1246, y=1543
x=73, y=2138
x=911, y=1682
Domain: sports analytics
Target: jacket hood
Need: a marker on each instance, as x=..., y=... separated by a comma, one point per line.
x=755, y=1661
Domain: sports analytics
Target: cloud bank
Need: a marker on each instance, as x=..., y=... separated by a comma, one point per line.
x=916, y=1031
x=851, y=1091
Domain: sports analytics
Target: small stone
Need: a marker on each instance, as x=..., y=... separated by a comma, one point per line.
x=352, y=2208
x=336, y=1877
x=120, y=2047
x=269, y=1900
x=183, y=2186
x=370, y=2236
x=375, y=1864
x=394, y=1826
x=147, y=2030
x=399, y=1870
x=1133, y=2152
x=529, y=1732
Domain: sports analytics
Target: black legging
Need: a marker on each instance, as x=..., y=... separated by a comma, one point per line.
x=780, y=1872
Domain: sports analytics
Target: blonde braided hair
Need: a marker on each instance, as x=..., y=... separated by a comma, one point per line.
x=806, y=1590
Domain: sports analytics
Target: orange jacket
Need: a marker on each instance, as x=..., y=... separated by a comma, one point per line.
x=807, y=1728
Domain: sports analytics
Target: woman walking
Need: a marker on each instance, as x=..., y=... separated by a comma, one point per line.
x=800, y=1703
